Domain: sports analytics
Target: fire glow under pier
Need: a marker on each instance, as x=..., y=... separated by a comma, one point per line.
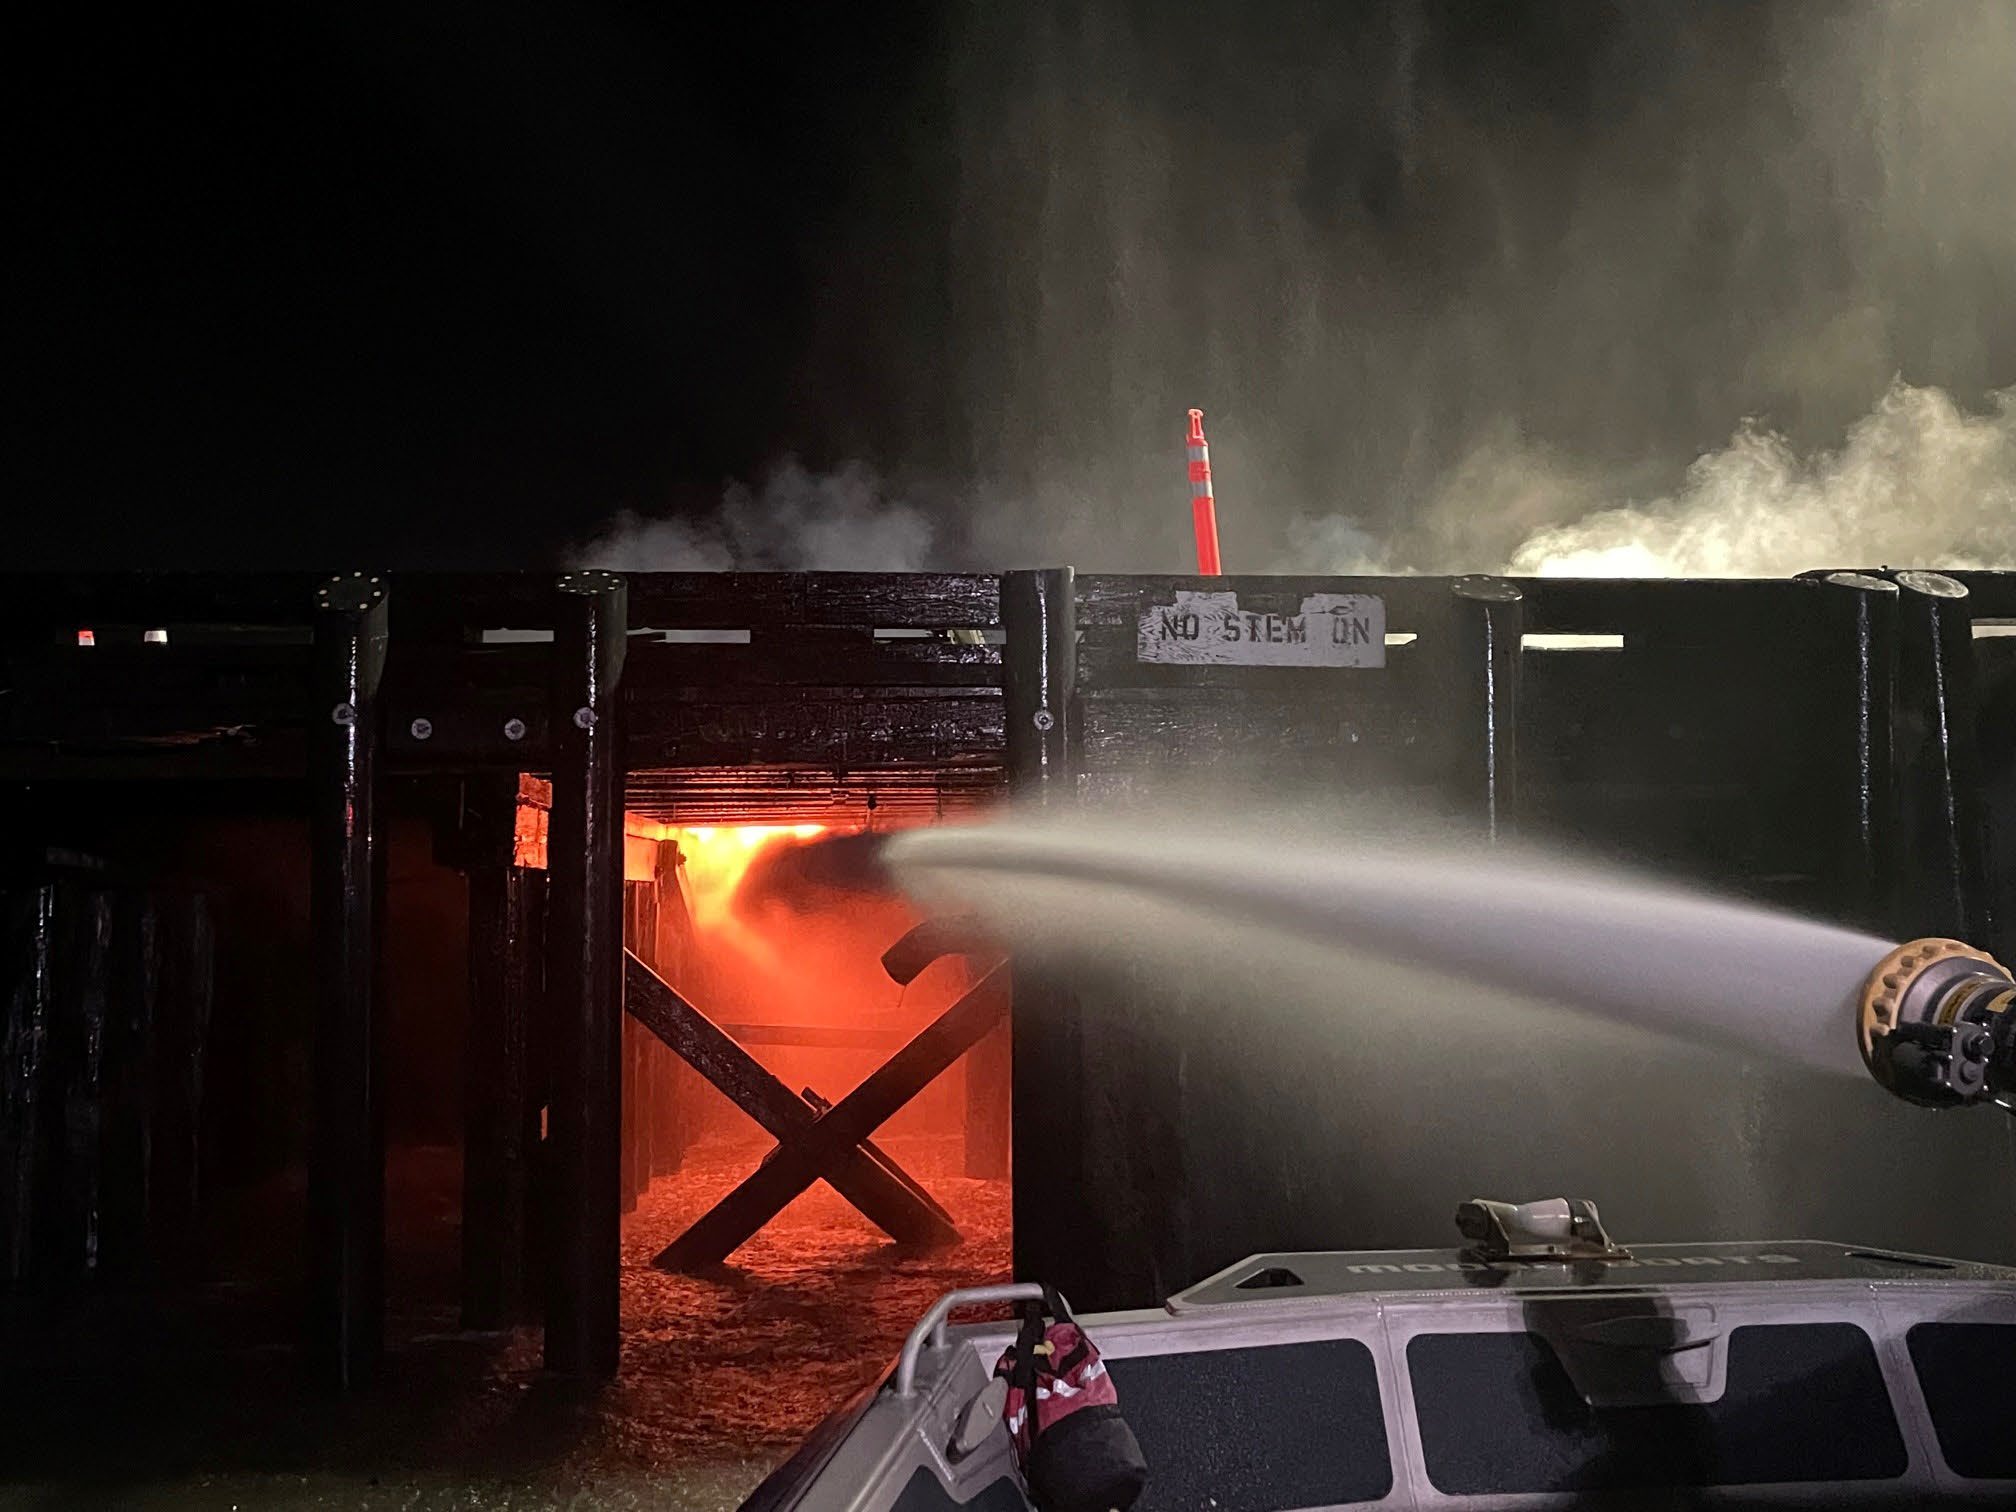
x=1843, y=743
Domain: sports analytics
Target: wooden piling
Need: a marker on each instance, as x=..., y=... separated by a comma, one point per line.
x=1042, y=714
x=1862, y=622
x=677, y=1086
x=1945, y=870
x=80, y=1037
x=346, y=1182
x=585, y=975
x=183, y=949
x=24, y=1073
x=535, y=1110
x=503, y=991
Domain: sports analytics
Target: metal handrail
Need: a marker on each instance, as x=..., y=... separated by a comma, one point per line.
x=932, y=1326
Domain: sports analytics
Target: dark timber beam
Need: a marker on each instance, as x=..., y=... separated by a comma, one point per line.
x=866, y=1177
x=1055, y=1194
x=1864, y=608
x=926, y=942
x=989, y=1064
x=585, y=975
x=815, y=1036
x=503, y=994
x=799, y=1161
x=346, y=1186
x=1039, y=683
x=1940, y=761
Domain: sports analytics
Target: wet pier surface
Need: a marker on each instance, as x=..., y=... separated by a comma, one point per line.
x=112, y=1401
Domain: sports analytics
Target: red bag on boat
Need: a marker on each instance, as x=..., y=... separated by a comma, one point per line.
x=1076, y=1450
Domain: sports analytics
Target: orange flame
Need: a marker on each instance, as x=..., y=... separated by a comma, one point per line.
x=714, y=860
x=800, y=948
x=717, y=858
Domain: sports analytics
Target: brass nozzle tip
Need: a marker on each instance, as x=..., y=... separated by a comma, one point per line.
x=1884, y=989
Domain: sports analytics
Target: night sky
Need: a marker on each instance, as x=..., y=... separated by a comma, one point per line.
x=441, y=284
x=457, y=285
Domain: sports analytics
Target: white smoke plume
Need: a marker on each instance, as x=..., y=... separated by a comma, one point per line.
x=848, y=520
x=1446, y=277
x=1456, y=292
x=1917, y=482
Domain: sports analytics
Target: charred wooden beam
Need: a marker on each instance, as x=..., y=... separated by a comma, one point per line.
x=1991, y=593
x=347, y=1160
x=866, y=1177
x=678, y=1089
x=184, y=1003
x=1040, y=613
x=536, y=1110
x=1489, y=617
x=1862, y=611
x=585, y=974
x=906, y=960
x=470, y=707
x=148, y=692
x=1672, y=609
x=132, y=1040
x=24, y=1071
x=815, y=1036
x=77, y=600
x=80, y=1037
x=503, y=995
x=717, y=600
x=825, y=726
x=789, y=656
x=640, y=934
x=990, y=1063
x=804, y=1158
x=855, y=796
x=1946, y=865
x=1039, y=682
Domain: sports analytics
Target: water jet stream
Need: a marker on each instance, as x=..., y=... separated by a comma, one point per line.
x=1655, y=956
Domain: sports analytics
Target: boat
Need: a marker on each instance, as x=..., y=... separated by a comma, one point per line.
x=1512, y=1372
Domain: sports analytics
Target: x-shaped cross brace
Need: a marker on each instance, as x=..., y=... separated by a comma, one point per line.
x=863, y=1174
x=831, y=1144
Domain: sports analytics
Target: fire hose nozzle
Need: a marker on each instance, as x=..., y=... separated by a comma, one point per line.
x=1936, y=1021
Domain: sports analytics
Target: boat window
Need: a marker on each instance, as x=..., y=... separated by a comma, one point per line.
x=1968, y=1374
x=924, y=1492
x=1803, y=1402
x=1272, y=1278
x=1249, y=1430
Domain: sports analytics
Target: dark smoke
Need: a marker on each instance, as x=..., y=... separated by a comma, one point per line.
x=803, y=875
x=1444, y=276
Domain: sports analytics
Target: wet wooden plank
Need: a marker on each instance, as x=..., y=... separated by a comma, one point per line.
x=1672, y=609
x=732, y=600
x=1111, y=602
x=71, y=600
x=858, y=727
x=1230, y=728
x=787, y=660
